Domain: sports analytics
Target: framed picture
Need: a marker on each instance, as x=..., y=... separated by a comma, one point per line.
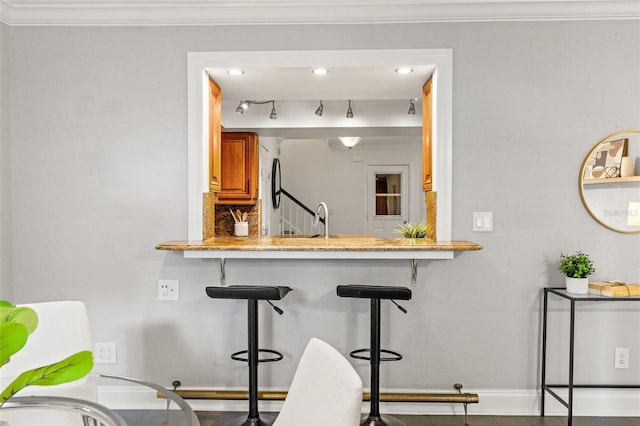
x=606, y=159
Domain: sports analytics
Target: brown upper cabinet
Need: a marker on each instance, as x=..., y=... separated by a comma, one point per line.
x=215, y=120
x=240, y=164
x=427, y=105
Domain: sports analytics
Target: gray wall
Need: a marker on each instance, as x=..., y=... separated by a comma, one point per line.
x=313, y=171
x=6, y=291
x=98, y=159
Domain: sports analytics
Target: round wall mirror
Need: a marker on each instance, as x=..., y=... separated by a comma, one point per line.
x=609, y=181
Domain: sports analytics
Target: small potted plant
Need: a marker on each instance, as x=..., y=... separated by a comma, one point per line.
x=413, y=230
x=576, y=268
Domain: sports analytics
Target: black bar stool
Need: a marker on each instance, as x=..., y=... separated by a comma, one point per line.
x=376, y=293
x=252, y=294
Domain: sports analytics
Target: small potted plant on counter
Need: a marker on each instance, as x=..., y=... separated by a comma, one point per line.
x=576, y=268
x=413, y=230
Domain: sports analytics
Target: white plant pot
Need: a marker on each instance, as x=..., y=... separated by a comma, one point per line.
x=578, y=285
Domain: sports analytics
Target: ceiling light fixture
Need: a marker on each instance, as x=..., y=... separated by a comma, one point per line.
x=235, y=72
x=412, y=108
x=404, y=70
x=244, y=105
x=350, y=111
x=320, y=71
x=349, y=141
x=320, y=110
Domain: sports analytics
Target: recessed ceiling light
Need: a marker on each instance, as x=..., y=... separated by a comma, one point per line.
x=235, y=71
x=404, y=70
x=320, y=71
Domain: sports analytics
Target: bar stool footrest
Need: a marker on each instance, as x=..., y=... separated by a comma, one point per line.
x=278, y=356
x=395, y=356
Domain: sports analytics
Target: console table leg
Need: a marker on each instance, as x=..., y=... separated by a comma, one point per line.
x=571, y=353
x=544, y=352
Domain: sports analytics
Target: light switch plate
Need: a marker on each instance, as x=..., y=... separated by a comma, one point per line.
x=482, y=221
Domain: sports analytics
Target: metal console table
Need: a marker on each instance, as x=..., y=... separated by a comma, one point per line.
x=572, y=298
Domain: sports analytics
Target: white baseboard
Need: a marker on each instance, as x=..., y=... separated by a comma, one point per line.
x=495, y=402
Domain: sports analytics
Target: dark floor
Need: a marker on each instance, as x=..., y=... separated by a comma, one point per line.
x=214, y=418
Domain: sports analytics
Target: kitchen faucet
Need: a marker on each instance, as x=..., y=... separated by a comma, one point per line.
x=316, y=218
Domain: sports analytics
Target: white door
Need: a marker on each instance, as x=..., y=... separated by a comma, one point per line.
x=387, y=199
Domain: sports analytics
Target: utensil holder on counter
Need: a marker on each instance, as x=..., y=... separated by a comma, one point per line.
x=241, y=229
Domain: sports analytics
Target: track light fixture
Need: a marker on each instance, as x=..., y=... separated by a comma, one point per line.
x=349, y=111
x=244, y=105
x=412, y=108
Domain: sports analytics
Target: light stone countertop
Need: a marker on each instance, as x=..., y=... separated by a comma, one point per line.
x=337, y=243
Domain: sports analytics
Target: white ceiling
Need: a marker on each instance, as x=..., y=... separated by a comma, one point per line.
x=341, y=83
x=380, y=97
x=372, y=84
x=237, y=12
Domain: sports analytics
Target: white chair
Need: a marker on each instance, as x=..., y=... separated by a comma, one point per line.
x=63, y=329
x=325, y=390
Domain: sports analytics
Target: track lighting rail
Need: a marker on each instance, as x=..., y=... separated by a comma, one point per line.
x=245, y=104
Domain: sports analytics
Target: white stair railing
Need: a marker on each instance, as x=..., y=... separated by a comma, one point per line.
x=295, y=220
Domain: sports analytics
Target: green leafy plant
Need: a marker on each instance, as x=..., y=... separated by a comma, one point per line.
x=16, y=324
x=413, y=230
x=576, y=265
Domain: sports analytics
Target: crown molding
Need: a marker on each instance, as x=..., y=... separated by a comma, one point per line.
x=287, y=12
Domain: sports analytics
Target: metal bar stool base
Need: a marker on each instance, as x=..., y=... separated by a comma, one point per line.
x=382, y=420
x=262, y=420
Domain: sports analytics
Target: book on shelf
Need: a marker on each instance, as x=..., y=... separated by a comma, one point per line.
x=614, y=289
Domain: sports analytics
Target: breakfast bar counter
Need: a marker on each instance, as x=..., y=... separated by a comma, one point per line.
x=320, y=247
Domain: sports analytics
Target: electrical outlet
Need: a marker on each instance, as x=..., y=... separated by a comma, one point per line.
x=104, y=353
x=168, y=290
x=622, y=358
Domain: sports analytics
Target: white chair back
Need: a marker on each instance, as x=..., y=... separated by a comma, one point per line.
x=325, y=390
x=63, y=329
